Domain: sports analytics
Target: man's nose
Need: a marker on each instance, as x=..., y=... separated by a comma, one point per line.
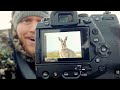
x=33, y=26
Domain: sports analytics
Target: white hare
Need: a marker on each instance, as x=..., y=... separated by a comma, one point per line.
x=65, y=52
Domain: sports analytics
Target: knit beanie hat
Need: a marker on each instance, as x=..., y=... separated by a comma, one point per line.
x=17, y=16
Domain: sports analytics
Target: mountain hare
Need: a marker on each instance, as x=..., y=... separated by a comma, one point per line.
x=65, y=52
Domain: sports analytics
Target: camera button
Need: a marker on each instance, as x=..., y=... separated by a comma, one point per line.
x=97, y=60
x=45, y=75
x=66, y=74
x=101, y=68
x=95, y=39
x=84, y=74
x=103, y=49
x=95, y=31
x=86, y=21
x=117, y=72
x=76, y=73
x=55, y=74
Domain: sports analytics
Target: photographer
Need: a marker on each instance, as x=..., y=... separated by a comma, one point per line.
x=22, y=42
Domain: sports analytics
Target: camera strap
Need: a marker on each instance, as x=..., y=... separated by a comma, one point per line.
x=22, y=65
x=24, y=68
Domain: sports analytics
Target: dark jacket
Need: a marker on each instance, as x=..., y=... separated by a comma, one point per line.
x=12, y=63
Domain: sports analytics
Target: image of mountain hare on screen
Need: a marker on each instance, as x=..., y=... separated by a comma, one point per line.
x=64, y=51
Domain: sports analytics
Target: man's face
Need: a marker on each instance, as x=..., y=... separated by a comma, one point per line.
x=26, y=33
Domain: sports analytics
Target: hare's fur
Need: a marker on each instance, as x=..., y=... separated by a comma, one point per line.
x=65, y=52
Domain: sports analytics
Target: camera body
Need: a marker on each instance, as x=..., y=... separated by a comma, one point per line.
x=72, y=46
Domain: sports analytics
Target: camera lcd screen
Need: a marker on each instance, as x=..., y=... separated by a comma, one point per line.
x=60, y=45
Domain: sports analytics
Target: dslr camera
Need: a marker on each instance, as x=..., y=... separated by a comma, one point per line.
x=72, y=46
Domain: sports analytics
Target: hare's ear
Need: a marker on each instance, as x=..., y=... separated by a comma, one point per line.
x=66, y=38
x=59, y=39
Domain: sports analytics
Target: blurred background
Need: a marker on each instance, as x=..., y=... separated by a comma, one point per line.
x=5, y=17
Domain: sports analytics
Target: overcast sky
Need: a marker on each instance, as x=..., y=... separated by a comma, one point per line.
x=5, y=17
